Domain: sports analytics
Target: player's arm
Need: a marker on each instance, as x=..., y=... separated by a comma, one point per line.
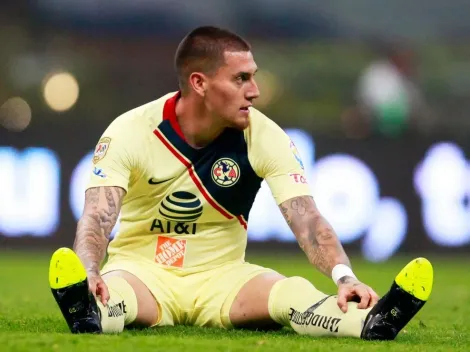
x=323, y=248
x=114, y=161
x=314, y=234
x=281, y=166
x=102, y=207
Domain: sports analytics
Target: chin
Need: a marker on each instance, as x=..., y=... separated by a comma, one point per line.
x=241, y=124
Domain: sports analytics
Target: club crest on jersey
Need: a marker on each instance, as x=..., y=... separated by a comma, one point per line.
x=225, y=172
x=294, y=150
x=101, y=149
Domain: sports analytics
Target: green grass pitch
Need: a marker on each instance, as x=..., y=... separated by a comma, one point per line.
x=31, y=321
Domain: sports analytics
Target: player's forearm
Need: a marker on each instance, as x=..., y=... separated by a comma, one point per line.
x=322, y=246
x=90, y=242
x=94, y=227
x=314, y=234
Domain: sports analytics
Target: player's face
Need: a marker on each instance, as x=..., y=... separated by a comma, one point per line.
x=232, y=89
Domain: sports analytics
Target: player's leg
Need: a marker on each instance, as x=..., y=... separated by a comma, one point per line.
x=250, y=308
x=130, y=300
x=270, y=300
x=297, y=303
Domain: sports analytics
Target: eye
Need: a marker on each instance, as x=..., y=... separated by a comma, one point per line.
x=243, y=77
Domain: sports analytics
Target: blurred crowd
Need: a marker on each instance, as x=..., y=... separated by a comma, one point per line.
x=354, y=69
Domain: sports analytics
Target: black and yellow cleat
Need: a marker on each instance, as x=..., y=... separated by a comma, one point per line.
x=408, y=294
x=69, y=286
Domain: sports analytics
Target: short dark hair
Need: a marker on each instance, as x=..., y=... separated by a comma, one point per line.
x=203, y=50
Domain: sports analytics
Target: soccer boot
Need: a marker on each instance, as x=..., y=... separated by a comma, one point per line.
x=69, y=286
x=408, y=294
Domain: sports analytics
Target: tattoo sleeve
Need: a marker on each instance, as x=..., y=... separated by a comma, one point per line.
x=102, y=206
x=314, y=234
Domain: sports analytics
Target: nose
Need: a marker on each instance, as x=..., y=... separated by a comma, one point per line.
x=253, y=91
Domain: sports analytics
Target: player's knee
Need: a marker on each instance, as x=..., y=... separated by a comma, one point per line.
x=295, y=283
x=142, y=308
x=292, y=288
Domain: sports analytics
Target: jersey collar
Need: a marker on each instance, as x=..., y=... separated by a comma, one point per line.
x=169, y=113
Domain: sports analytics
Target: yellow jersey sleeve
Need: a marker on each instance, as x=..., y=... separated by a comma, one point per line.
x=275, y=158
x=115, y=156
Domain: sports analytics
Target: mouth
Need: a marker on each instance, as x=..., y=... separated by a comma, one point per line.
x=245, y=108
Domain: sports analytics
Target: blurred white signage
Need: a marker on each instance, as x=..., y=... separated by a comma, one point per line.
x=345, y=189
x=29, y=191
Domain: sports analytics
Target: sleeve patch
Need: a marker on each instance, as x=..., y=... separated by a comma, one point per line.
x=101, y=149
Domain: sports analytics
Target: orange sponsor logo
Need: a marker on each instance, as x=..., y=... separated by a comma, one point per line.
x=170, y=251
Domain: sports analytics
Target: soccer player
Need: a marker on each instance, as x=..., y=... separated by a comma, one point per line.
x=183, y=172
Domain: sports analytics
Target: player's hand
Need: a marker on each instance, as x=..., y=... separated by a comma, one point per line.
x=98, y=287
x=351, y=289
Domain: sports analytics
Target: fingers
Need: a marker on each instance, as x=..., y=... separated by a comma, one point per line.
x=92, y=287
x=365, y=296
x=102, y=291
x=368, y=297
x=99, y=289
x=374, y=297
x=343, y=301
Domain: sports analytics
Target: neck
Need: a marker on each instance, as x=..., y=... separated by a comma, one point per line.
x=196, y=123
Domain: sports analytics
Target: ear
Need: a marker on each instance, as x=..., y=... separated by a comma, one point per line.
x=198, y=82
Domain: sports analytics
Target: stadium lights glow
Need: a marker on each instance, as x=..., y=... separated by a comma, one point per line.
x=15, y=114
x=60, y=91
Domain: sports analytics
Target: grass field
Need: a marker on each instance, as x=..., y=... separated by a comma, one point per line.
x=30, y=319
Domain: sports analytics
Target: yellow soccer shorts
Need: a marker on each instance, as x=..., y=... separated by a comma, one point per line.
x=199, y=299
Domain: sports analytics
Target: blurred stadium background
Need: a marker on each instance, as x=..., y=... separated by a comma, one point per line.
x=375, y=94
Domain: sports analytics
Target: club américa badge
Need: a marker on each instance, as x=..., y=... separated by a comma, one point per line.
x=225, y=172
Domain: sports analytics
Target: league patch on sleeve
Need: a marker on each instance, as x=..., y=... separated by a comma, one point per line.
x=294, y=150
x=101, y=149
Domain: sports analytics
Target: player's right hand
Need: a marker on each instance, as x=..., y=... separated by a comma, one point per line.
x=98, y=287
x=350, y=289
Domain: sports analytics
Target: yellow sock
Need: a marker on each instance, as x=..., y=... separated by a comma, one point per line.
x=297, y=303
x=121, y=308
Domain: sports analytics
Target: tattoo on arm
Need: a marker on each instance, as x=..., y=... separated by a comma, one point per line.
x=102, y=206
x=347, y=280
x=285, y=212
x=315, y=235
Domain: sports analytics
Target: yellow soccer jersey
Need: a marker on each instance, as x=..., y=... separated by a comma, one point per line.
x=187, y=209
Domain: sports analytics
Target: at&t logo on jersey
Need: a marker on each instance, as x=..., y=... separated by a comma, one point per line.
x=179, y=209
x=181, y=206
x=225, y=172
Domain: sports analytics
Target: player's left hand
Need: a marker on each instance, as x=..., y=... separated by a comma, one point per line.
x=350, y=289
